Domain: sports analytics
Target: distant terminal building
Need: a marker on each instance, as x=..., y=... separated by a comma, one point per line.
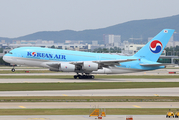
x=131, y=49
x=32, y=42
x=112, y=40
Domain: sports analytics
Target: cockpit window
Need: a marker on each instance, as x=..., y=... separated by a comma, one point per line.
x=10, y=52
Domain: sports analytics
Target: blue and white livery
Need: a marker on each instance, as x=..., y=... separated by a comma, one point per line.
x=88, y=63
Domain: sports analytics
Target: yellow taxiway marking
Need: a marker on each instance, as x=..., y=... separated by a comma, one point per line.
x=156, y=94
x=26, y=82
x=22, y=107
x=162, y=81
x=64, y=95
x=136, y=106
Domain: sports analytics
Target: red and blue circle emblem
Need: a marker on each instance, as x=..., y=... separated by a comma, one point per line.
x=156, y=46
x=34, y=54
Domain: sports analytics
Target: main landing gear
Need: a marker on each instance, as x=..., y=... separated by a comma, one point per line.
x=83, y=76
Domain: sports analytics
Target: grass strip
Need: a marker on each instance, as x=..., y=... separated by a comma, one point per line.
x=24, y=71
x=109, y=111
x=83, y=86
x=90, y=99
x=29, y=76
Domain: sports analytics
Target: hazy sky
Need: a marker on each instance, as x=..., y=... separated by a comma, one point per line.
x=22, y=17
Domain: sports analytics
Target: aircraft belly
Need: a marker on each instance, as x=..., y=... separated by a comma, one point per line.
x=115, y=70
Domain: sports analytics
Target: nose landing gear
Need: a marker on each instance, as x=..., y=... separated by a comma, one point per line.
x=13, y=70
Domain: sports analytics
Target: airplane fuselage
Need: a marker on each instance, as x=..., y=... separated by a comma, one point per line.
x=35, y=56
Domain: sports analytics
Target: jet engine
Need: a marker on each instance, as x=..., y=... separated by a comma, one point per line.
x=66, y=67
x=90, y=66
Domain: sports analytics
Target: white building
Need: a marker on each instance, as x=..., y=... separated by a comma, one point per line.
x=112, y=40
x=131, y=49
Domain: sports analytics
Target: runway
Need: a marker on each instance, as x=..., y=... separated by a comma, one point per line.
x=153, y=72
x=85, y=80
x=32, y=105
x=81, y=117
x=101, y=92
x=104, y=92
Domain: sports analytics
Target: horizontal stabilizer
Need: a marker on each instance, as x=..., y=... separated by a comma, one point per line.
x=152, y=65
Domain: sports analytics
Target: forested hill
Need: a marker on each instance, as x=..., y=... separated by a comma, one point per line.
x=137, y=28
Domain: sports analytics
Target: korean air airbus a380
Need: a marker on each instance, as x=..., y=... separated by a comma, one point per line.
x=86, y=63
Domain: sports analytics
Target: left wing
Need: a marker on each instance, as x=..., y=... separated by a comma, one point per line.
x=113, y=62
x=79, y=64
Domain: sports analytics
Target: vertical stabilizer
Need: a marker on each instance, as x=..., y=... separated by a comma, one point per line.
x=153, y=49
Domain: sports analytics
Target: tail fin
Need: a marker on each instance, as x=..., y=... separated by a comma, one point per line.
x=153, y=49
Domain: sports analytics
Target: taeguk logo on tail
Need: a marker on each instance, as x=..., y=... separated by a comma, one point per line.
x=156, y=46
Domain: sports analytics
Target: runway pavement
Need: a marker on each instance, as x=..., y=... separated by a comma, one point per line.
x=84, y=80
x=101, y=92
x=81, y=117
x=105, y=92
x=32, y=105
x=154, y=72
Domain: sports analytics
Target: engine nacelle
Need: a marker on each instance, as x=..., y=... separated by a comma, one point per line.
x=66, y=67
x=90, y=66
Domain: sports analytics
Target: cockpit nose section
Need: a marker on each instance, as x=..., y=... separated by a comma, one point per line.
x=5, y=58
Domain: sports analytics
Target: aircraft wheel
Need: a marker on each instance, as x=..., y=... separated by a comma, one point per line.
x=80, y=77
x=75, y=77
x=13, y=70
x=92, y=76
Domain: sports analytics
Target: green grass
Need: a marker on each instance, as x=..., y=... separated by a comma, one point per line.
x=90, y=99
x=80, y=111
x=23, y=71
x=83, y=86
x=138, y=76
x=28, y=76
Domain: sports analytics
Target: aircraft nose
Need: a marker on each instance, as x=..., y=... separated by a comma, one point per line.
x=5, y=58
